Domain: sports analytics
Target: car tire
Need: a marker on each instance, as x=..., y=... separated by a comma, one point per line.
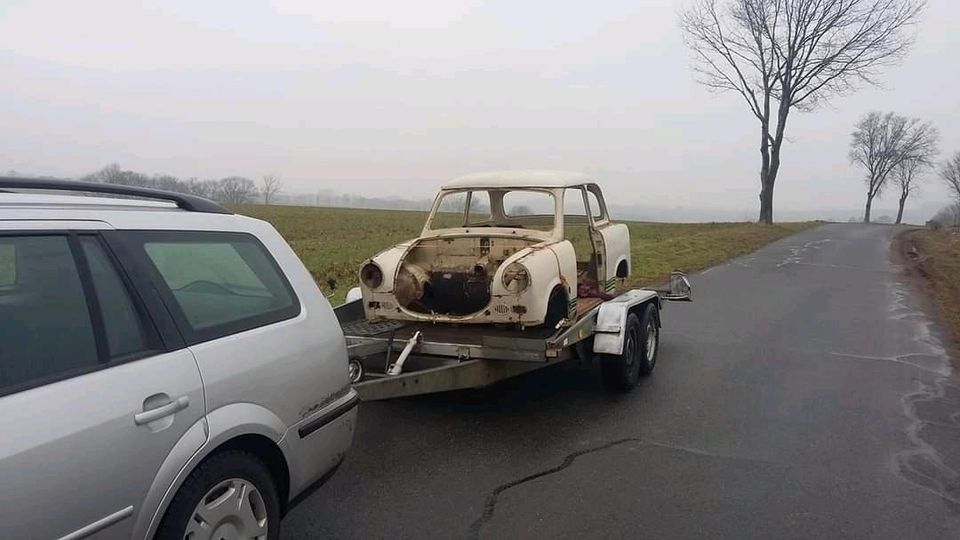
x=622, y=372
x=201, y=504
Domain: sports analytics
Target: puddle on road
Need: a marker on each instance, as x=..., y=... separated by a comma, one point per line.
x=796, y=253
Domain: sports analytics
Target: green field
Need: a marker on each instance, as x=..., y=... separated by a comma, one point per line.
x=334, y=242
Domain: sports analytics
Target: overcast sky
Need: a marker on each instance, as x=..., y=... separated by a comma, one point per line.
x=386, y=97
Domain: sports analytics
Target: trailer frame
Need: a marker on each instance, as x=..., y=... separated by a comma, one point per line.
x=439, y=357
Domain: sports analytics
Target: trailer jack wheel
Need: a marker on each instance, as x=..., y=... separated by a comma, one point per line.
x=622, y=372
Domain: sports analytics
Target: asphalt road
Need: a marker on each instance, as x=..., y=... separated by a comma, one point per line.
x=806, y=393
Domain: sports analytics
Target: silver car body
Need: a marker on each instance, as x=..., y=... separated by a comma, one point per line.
x=73, y=461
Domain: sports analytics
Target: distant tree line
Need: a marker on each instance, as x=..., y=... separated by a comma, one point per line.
x=230, y=190
x=241, y=190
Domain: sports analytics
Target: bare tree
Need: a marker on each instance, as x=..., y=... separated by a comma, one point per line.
x=236, y=190
x=881, y=143
x=950, y=173
x=113, y=174
x=909, y=171
x=271, y=186
x=793, y=54
x=908, y=174
x=202, y=188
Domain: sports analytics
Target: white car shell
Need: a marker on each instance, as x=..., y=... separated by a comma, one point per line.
x=395, y=284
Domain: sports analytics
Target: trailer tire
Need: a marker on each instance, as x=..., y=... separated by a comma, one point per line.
x=622, y=372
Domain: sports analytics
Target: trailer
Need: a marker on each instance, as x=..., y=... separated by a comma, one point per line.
x=392, y=359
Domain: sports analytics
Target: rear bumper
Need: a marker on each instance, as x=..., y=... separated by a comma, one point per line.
x=316, y=445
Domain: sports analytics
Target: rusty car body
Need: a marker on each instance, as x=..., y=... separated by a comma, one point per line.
x=510, y=247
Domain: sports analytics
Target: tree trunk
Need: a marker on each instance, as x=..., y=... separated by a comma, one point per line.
x=903, y=200
x=766, y=204
x=768, y=177
x=866, y=211
x=770, y=149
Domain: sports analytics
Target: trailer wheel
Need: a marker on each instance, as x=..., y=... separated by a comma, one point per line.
x=640, y=346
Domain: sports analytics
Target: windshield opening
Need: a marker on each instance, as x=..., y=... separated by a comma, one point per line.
x=510, y=208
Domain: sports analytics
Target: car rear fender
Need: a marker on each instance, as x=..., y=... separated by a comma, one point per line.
x=218, y=428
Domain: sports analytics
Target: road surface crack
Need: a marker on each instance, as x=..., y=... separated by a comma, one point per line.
x=490, y=505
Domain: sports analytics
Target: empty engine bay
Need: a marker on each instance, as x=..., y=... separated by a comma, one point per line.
x=452, y=275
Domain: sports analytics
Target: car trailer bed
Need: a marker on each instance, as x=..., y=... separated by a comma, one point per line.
x=390, y=359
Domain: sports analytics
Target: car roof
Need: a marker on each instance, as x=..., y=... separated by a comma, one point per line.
x=520, y=178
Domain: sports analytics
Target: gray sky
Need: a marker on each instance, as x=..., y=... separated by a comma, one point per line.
x=380, y=97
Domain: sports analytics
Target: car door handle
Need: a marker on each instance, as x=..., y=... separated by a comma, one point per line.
x=162, y=411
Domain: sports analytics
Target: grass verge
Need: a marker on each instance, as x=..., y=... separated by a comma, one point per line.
x=938, y=262
x=334, y=242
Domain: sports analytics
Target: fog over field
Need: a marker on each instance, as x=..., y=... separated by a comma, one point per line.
x=389, y=99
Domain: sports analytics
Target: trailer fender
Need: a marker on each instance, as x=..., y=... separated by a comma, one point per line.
x=612, y=319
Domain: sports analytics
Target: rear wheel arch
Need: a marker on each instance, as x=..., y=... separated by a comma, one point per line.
x=258, y=445
x=557, y=306
x=267, y=451
x=238, y=469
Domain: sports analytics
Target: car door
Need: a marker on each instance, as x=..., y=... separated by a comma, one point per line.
x=92, y=397
x=612, y=240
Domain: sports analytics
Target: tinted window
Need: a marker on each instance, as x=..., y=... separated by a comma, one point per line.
x=45, y=326
x=123, y=324
x=8, y=264
x=222, y=282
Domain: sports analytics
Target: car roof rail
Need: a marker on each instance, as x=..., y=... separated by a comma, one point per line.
x=184, y=201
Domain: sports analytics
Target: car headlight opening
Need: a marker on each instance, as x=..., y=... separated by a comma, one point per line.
x=371, y=275
x=516, y=278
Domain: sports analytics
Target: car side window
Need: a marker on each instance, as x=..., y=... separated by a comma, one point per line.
x=8, y=265
x=576, y=227
x=125, y=327
x=46, y=329
x=596, y=211
x=222, y=283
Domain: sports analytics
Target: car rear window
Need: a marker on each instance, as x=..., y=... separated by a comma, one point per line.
x=221, y=283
